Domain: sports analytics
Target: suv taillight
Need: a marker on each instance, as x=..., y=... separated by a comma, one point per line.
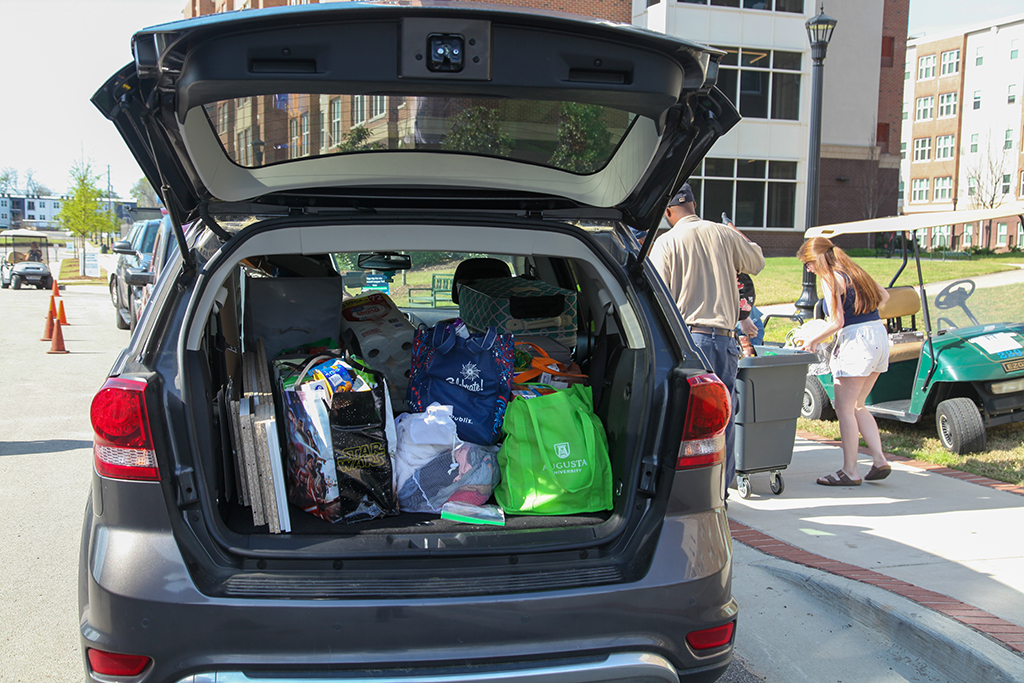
x=707, y=414
x=122, y=445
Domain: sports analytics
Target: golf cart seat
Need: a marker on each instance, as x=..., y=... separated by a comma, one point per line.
x=903, y=302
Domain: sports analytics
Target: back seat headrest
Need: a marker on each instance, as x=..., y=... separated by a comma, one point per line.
x=903, y=301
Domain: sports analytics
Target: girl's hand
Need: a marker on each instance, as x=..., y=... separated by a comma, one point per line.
x=811, y=346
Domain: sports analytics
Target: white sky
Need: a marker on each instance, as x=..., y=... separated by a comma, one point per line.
x=56, y=53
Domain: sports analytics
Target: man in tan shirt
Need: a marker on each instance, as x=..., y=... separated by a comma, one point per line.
x=698, y=260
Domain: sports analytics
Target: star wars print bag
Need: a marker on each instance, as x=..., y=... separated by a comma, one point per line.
x=472, y=372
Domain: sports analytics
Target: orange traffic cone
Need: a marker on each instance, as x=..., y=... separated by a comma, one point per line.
x=60, y=314
x=53, y=306
x=56, y=289
x=57, y=346
x=48, y=331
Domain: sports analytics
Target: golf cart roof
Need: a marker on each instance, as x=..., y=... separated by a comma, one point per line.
x=915, y=221
x=30, y=234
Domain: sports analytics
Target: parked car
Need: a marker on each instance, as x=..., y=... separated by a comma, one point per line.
x=134, y=252
x=24, y=259
x=141, y=280
x=962, y=364
x=479, y=150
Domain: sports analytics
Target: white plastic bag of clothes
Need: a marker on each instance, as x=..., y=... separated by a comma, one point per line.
x=433, y=466
x=796, y=337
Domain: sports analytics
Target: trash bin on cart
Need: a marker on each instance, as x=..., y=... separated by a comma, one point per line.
x=769, y=394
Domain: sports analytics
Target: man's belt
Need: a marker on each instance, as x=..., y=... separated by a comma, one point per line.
x=713, y=331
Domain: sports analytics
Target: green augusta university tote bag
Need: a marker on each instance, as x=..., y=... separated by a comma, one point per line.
x=554, y=460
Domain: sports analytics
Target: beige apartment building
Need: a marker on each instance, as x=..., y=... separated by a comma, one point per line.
x=963, y=131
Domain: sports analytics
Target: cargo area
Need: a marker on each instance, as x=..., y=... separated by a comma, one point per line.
x=293, y=305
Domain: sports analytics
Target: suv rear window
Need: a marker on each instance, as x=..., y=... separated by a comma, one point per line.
x=574, y=137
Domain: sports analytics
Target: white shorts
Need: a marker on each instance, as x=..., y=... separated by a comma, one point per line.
x=860, y=350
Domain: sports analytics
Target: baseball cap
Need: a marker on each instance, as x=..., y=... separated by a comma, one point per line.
x=684, y=195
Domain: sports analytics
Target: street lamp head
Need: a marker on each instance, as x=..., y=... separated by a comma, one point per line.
x=819, y=32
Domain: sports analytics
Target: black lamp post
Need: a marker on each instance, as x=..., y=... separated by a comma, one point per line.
x=819, y=31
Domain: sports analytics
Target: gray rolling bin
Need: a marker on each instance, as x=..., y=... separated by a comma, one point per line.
x=770, y=391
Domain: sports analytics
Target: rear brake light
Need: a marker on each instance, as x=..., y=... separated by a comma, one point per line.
x=707, y=414
x=710, y=638
x=122, y=445
x=114, y=664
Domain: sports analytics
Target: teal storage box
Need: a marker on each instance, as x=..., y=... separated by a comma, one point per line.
x=520, y=306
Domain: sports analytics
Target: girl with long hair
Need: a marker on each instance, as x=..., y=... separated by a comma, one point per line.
x=861, y=352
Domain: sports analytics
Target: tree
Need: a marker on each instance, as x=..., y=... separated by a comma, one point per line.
x=985, y=172
x=8, y=181
x=356, y=140
x=35, y=188
x=82, y=212
x=477, y=130
x=144, y=194
x=583, y=138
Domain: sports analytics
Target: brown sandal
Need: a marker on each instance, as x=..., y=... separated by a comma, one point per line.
x=840, y=478
x=877, y=473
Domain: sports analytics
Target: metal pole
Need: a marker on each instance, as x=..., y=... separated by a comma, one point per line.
x=809, y=296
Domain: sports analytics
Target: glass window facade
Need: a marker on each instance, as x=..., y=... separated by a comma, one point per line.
x=755, y=193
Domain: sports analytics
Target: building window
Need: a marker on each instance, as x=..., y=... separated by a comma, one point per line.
x=1006, y=183
x=947, y=105
x=922, y=149
x=903, y=150
x=974, y=143
x=358, y=110
x=950, y=63
x=795, y=6
x=941, y=233
x=763, y=84
x=1014, y=51
x=919, y=190
x=1020, y=235
x=222, y=119
x=979, y=55
x=378, y=106
x=30, y=206
x=1011, y=93
x=899, y=196
x=944, y=188
x=977, y=99
x=305, y=134
x=293, y=135
x=972, y=186
x=926, y=67
x=968, y=234
x=1001, y=235
x=1022, y=183
x=1008, y=139
x=335, y=121
x=323, y=129
x=882, y=134
x=944, y=145
x=925, y=108
x=755, y=192
x=906, y=73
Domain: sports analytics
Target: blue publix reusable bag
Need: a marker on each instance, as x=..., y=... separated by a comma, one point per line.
x=473, y=375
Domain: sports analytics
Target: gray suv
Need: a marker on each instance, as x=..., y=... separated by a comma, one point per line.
x=290, y=144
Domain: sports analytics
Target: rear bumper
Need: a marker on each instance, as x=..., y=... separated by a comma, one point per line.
x=627, y=666
x=137, y=597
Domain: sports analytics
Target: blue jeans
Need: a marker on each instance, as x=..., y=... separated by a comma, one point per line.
x=724, y=354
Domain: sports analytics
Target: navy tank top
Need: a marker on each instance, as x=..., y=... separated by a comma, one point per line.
x=849, y=298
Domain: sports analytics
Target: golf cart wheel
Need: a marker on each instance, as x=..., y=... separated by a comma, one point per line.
x=743, y=485
x=16, y=282
x=776, y=482
x=816, y=405
x=961, y=429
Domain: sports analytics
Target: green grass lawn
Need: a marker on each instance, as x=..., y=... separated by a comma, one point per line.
x=69, y=274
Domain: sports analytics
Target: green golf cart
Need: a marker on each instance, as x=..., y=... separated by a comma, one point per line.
x=956, y=353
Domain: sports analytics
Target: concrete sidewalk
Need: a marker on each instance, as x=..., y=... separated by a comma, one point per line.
x=935, y=541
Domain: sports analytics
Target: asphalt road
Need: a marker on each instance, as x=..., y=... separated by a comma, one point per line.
x=45, y=469
x=46, y=466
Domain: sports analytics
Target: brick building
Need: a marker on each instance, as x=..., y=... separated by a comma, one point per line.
x=963, y=131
